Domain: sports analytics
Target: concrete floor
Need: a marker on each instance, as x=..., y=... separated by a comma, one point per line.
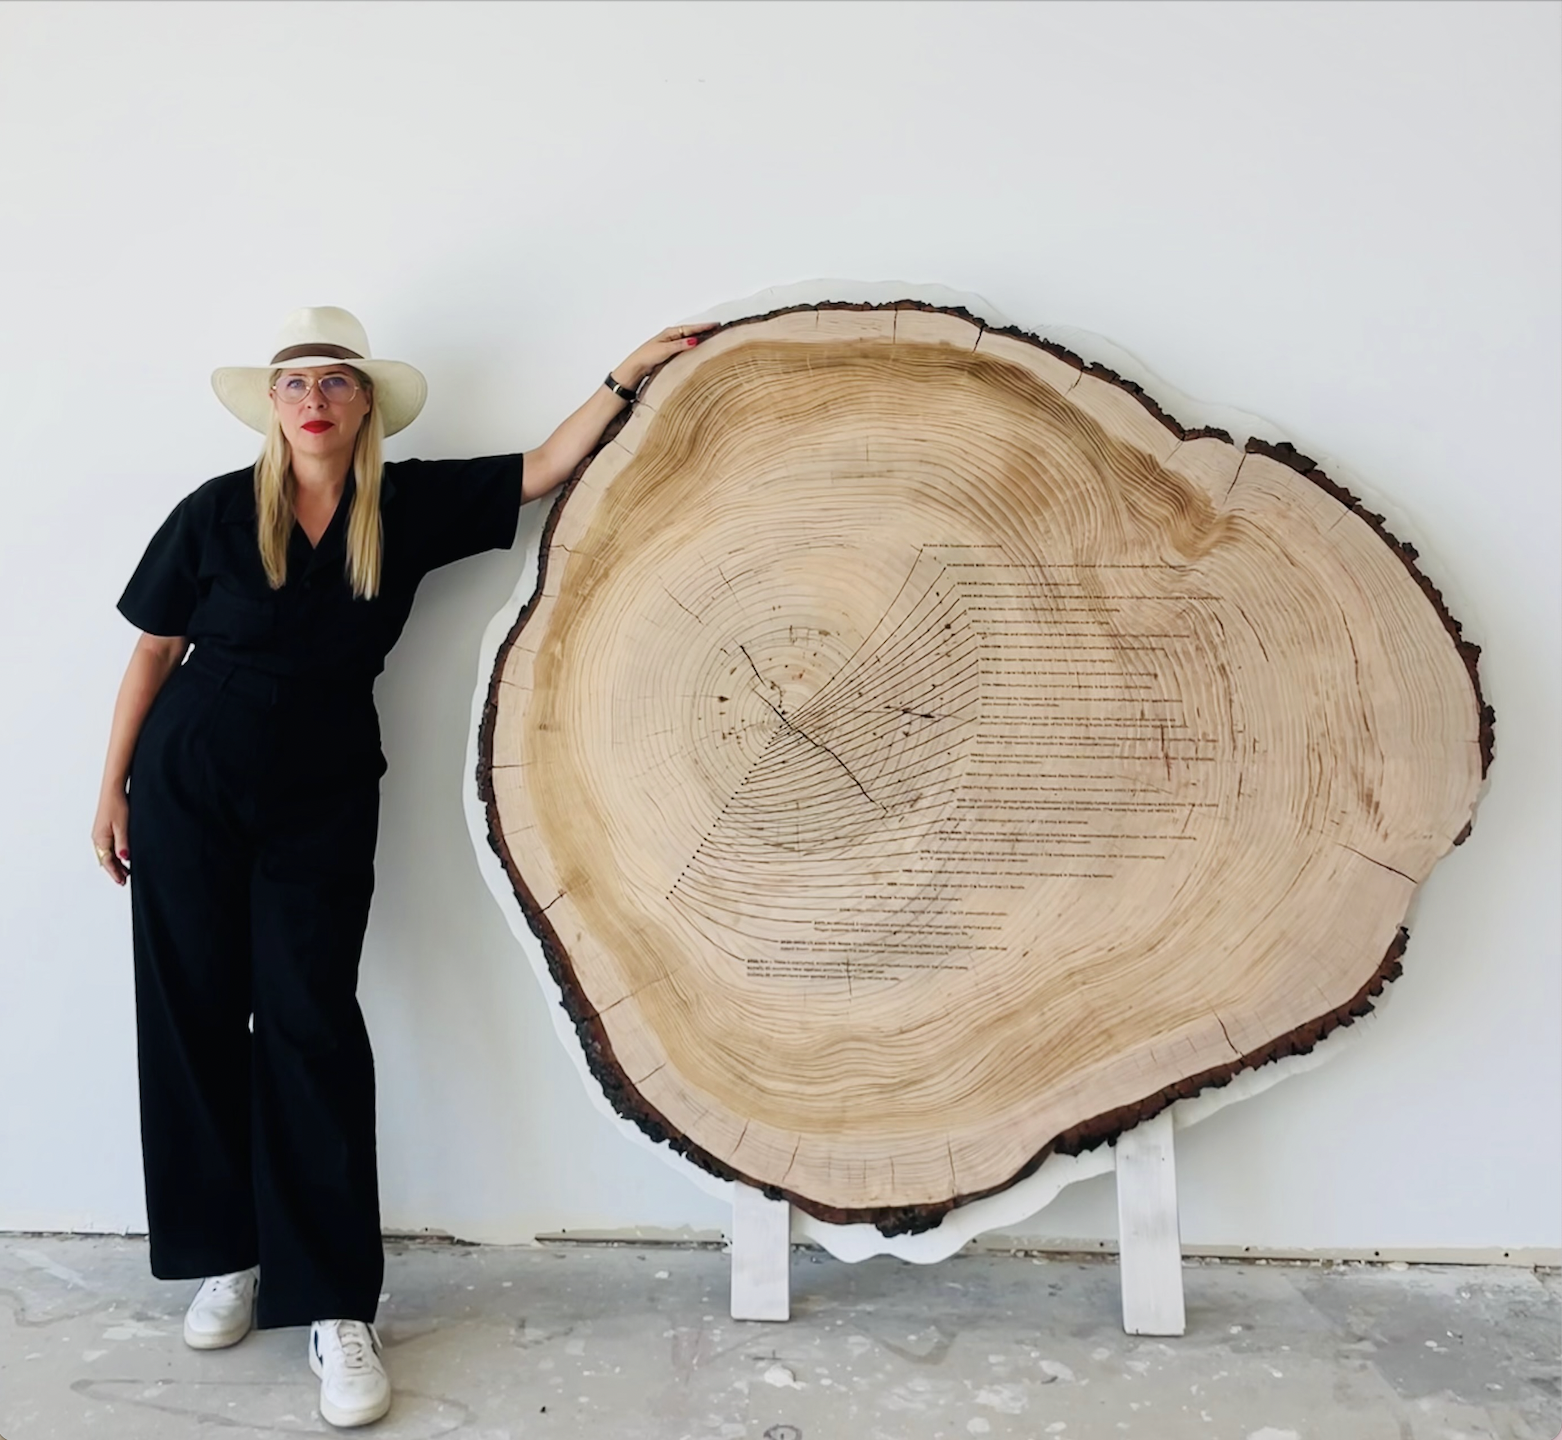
x=499, y=1344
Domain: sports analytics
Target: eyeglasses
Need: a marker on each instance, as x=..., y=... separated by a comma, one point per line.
x=336, y=389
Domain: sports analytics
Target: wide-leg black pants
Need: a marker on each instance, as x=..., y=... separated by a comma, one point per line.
x=254, y=808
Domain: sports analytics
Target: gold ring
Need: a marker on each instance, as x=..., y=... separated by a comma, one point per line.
x=102, y=854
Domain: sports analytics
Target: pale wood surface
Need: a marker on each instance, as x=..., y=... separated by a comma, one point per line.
x=1149, y=1242
x=918, y=751
x=761, y=1256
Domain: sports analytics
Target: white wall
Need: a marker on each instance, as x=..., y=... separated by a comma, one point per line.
x=1344, y=218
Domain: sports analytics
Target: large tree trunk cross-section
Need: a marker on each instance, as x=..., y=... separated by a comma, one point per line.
x=922, y=754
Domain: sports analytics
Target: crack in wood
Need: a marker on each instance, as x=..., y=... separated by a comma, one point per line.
x=1383, y=864
x=779, y=709
x=790, y=1163
x=1235, y=476
x=798, y=730
x=679, y=603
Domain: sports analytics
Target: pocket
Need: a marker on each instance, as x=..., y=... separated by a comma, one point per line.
x=154, y=723
x=171, y=750
x=226, y=614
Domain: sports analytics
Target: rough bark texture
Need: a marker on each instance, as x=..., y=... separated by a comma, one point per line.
x=1415, y=750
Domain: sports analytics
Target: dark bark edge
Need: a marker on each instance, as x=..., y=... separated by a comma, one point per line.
x=914, y=1219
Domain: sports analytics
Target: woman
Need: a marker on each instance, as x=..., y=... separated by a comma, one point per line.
x=241, y=797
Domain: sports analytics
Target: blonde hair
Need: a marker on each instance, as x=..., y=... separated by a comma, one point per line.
x=274, y=489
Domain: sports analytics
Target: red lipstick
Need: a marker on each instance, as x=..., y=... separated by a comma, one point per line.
x=317, y=427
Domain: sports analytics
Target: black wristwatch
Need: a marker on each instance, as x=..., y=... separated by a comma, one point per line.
x=622, y=391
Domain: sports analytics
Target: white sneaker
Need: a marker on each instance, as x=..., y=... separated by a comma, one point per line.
x=354, y=1388
x=223, y=1311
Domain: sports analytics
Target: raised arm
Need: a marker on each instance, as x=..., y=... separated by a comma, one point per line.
x=554, y=461
x=154, y=659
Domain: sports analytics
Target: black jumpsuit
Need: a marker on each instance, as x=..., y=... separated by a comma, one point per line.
x=254, y=806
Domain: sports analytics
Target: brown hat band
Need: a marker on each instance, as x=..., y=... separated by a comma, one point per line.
x=336, y=352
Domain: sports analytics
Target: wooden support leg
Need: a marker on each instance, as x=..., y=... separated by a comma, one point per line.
x=1150, y=1245
x=761, y=1256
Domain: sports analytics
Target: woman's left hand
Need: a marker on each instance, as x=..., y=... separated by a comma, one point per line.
x=655, y=351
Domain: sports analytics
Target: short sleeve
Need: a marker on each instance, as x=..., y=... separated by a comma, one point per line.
x=160, y=598
x=457, y=508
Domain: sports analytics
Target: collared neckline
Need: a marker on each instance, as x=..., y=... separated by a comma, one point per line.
x=332, y=544
x=240, y=509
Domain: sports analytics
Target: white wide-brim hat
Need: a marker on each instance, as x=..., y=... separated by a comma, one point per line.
x=322, y=335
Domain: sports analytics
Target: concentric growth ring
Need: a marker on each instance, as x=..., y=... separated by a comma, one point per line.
x=921, y=753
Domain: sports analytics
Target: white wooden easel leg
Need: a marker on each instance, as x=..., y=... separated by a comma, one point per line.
x=761, y=1256
x=1150, y=1244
